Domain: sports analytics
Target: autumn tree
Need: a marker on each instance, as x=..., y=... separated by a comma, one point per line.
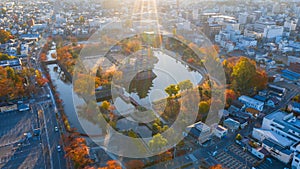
x=157, y=143
x=172, y=90
x=218, y=166
x=230, y=96
x=203, y=107
x=186, y=84
x=135, y=164
x=4, y=36
x=243, y=75
x=6, y=57
x=105, y=105
x=112, y=164
x=77, y=150
x=81, y=19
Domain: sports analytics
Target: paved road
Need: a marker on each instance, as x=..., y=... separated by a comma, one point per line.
x=47, y=118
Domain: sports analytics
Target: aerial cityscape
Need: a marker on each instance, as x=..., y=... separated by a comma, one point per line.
x=154, y=84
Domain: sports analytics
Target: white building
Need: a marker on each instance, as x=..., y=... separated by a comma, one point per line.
x=243, y=18
x=290, y=25
x=220, y=131
x=284, y=124
x=273, y=32
x=284, y=154
x=252, y=103
x=296, y=161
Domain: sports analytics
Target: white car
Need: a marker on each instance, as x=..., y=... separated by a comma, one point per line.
x=56, y=128
x=58, y=148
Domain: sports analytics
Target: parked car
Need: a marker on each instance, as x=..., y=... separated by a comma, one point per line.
x=56, y=128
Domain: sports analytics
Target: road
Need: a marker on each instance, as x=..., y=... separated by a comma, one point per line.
x=48, y=121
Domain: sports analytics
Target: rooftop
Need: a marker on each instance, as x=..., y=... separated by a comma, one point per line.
x=290, y=124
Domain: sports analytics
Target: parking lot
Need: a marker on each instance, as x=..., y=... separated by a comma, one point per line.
x=234, y=157
x=16, y=150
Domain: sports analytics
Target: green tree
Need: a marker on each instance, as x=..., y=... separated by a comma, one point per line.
x=172, y=90
x=203, y=107
x=4, y=36
x=243, y=73
x=239, y=137
x=186, y=84
x=157, y=142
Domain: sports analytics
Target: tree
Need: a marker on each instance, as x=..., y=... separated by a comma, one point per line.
x=6, y=57
x=239, y=137
x=77, y=150
x=4, y=36
x=112, y=164
x=186, y=84
x=243, y=75
x=105, y=105
x=135, y=164
x=172, y=90
x=203, y=107
x=157, y=143
x=218, y=166
x=230, y=96
x=81, y=19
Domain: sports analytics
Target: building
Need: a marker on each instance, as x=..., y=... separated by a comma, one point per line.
x=283, y=154
x=262, y=134
x=13, y=63
x=293, y=59
x=284, y=124
x=243, y=18
x=294, y=107
x=296, y=161
x=220, y=131
x=271, y=32
x=252, y=103
x=200, y=131
x=231, y=124
x=290, y=75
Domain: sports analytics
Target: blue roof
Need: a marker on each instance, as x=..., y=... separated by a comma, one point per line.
x=291, y=73
x=260, y=98
x=295, y=104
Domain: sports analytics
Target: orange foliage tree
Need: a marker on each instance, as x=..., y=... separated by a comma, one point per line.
x=112, y=164
x=77, y=150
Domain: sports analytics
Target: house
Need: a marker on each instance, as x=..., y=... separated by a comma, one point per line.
x=294, y=107
x=260, y=98
x=200, y=131
x=231, y=124
x=296, y=161
x=242, y=122
x=272, y=102
x=283, y=154
x=252, y=111
x=260, y=152
x=235, y=106
x=252, y=103
x=220, y=131
x=13, y=63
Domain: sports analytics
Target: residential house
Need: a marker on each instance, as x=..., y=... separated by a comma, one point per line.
x=252, y=103
x=220, y=131
x=200, y=131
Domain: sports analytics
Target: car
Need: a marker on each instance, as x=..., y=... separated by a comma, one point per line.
x=58, y=148
x=48, y=96
x=56, y=128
